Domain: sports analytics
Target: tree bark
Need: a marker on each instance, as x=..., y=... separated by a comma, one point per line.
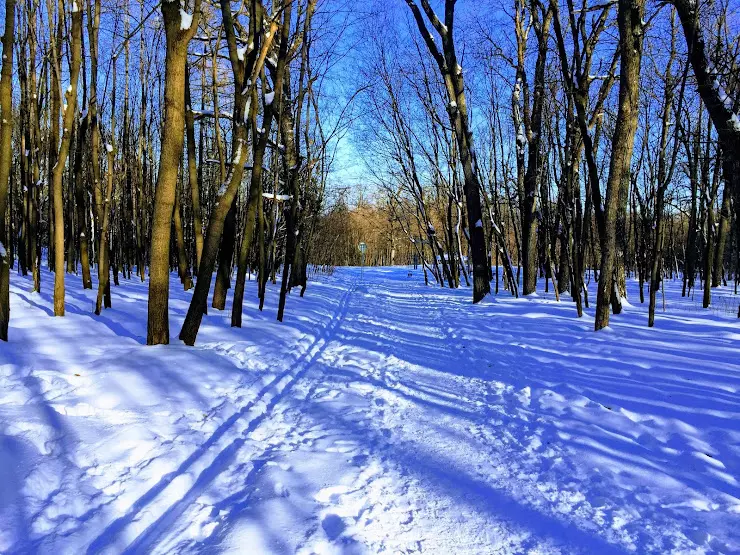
x=173, y=126
x=182, y=260
x=6, y=158
x=80, y=203
x=534, y=156
x=254, y=64
x=93, y=26
x=291, y=133
x=630, y=21
x=452, y=75
x=193, y=172
x=225, y=257
x=255, y=185
x=725, y=216
x=103, y=298
x=720, y=111
x=61, y=160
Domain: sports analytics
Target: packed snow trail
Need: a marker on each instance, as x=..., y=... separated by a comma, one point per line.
x=382, y=416
x=221, y=459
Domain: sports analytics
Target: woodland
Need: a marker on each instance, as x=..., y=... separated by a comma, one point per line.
x=565, y=141
x=379, y=276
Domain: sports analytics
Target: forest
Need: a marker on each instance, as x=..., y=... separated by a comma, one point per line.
x=578, y=141
x=390, y=276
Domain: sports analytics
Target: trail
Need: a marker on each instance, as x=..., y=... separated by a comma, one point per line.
x=456, y=439
x=381, y=417
x=228, y=452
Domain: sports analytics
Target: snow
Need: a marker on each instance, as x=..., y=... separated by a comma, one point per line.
x=3, y=252
x=272, y=196
x=382, y=416
x=109, y=147
x=269, y=98
x=203, y=113
x=725, y=100
x=237, y=153
x=186, y=20
x=247, y=109
x=734, y=121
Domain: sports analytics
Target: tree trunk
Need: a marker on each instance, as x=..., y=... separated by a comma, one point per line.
x=55, y=99
x=722, y=232
x=725, y=121
x=452, y=75
x=93, y=26
x=183, y=269
x=225, y=257
x=193, y=172
x=81, y=204
x=173, y=126
x=534, y=160
x=663, y=180
x=6, y=159
x=104, y=252
x=255, y=187
x=630, y=17
x=61, y=160
x=244, y=70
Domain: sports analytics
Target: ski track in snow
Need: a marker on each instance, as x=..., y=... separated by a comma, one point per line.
x=257, y=410
x=381, y=417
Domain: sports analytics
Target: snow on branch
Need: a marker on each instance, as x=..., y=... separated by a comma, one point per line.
x=279, y=198
x=186, y=20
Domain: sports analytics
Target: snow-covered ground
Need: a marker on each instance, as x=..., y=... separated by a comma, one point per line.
x=382, y=416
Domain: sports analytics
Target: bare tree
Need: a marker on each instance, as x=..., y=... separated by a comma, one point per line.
x=718, y=104
x=452, y=75
x=68, y=118
x=180, y=27
x=631, y=26
x=6, y=132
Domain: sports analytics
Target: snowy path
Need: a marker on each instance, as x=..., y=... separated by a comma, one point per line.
x=381, y=417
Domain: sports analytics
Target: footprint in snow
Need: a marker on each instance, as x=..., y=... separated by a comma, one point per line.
x=333, y=526
x=360, y=460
